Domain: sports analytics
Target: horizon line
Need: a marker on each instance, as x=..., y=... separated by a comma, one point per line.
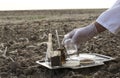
x=51, y=9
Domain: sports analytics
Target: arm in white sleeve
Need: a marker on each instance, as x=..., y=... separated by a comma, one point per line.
x=110, y=19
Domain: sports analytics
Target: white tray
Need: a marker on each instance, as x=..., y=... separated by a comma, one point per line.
x=98, y=58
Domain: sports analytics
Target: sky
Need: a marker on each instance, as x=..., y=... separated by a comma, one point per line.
x=54, y=4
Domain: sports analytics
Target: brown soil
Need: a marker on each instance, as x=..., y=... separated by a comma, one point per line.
x=21, y=33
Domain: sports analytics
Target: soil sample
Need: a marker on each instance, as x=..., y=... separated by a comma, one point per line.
x=63, y=55
x=87, y=61
x=56, y=59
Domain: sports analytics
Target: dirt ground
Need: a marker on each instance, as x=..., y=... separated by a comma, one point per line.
x=21, y=33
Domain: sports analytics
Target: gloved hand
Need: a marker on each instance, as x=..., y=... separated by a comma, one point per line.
x=81, y=35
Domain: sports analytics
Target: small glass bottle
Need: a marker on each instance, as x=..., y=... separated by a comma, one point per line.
x=71, y=48
x=49, y=49
x=63, y=55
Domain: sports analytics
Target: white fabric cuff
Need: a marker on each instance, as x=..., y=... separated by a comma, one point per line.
x=108, y=27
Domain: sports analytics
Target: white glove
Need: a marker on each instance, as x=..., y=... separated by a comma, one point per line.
x=81, y=35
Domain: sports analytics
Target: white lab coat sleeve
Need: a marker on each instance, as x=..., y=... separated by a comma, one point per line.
x=110, y=19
